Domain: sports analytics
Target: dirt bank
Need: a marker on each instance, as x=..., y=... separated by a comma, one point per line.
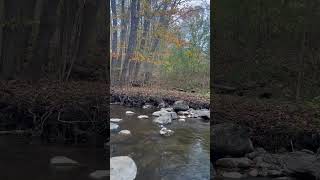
x=136, y=96
x=66, y=112
x=274, y=124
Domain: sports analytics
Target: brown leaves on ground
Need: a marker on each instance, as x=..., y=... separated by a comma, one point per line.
x=161, y=93
x=271, y=122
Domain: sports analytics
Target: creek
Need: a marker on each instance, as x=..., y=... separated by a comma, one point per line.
x=185, y=155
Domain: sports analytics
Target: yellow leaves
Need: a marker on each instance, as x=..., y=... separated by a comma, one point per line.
x=138, y=57
x=189, y=53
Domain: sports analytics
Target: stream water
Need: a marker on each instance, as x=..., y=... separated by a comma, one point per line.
x=20, y=160
x=183, y=156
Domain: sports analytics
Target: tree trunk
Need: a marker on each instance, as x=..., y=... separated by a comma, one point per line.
x=146, y=27
x=114, y=45
x=2, y=13
x=132, y=41
x=123, y=33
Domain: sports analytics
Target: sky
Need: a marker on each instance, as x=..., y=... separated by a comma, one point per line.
x=198, y=2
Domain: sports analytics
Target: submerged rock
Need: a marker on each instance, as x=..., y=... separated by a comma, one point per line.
x=166, y=132
x=143, y=117
x=113, y=126
x=100, y=174
x=122, y=168
x=182, y=120
x=130, y=112
x=180, y=106
x=115, y=120
x=62, y=163
x=147, y=106
x=234, y=162
x=125, y=132
x=232, y=175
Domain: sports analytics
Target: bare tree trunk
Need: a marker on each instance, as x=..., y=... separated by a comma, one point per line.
x=2, y=13
x=132, y=41
x=123, y=33
x=114, y=45
x=146, y=27
x=133, y=64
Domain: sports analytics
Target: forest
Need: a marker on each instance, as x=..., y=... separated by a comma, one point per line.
x=160, y=43
x=265, y=77
x=53, y=40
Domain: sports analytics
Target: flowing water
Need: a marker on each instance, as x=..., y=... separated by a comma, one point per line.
x=183, y=156
x=20, y=160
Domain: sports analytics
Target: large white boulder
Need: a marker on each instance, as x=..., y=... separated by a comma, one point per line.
x=122, y=168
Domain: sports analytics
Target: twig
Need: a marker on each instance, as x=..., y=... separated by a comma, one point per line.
x=292, y=146
x=15, y=132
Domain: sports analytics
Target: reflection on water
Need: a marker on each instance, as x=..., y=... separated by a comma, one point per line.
x=20, y=160
x=182, y=156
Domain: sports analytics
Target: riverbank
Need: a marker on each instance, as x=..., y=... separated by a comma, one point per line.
x=138, y=96
x=273, y=124
x=264, y=138
x=70, y=112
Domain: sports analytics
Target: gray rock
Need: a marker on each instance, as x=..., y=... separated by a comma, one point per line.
x=169, y=109
x=63, y=163
x=302, y=163
x=233, y=175
x=159, y=113
x=185, y=113
x=274, y=173
x=230, y=139
x=147, y=106
x=203, y=113
x=252, y=155
x=113, y=126
x=253, y=173
x=173, y=115
x=122, y=168
x=100, y=174
x=285, y=178
x=234, y=162
x=165, y=119
x=180, y=106
x=166, y=132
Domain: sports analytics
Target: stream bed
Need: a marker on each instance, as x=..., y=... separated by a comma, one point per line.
x=183, y=156
x=21, y=160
